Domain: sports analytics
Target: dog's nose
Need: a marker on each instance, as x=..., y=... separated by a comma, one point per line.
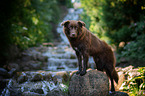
x=73, y=34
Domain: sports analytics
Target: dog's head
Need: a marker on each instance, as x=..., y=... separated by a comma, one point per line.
x=73, y=28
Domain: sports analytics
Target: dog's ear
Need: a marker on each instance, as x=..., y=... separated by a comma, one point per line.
x=65, y=23
x=81, y=23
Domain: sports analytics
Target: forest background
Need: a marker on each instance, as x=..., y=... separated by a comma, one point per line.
x=27, y=23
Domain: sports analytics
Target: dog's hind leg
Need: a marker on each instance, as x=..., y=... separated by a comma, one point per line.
x=109, y=73
x=99, y=64
x=109, y=69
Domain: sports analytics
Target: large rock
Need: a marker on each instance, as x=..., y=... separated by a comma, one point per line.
x=15, y=66
x=37, y=77
x=93, y=83
x=3, y=72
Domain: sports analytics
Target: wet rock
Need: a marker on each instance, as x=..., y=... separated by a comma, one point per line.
x=4, y=72
x=31, y=65
x=31, y=94
x=14, y=65
x=37, y=77
x=60, y=67
x=26, y=69
x=30, y=86
x=56, y=92
x=62, y=76
x=40, y=91
x=22, y=78
x=3, y=84
x=60, y=50
x=34, y=56
x=42, y=58
x=72, y=65
x=93, y=83
x=117, y=93
x=47, y=77
x=73, y=56
x=54, y=79
x=65, y=78
x=15, y=92
x=12, y=72
x=35, y=65
x=26, y=58
x=10, y=90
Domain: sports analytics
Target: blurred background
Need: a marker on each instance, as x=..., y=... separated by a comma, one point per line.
x=27, y=23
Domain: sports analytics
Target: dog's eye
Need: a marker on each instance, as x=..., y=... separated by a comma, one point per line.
x=70, y=27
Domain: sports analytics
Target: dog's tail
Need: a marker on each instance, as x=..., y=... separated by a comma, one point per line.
x=115, y=76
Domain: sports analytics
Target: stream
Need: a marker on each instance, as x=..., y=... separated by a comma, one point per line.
x=53, y=79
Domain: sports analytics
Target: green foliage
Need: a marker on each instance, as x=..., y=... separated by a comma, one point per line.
x=135, y=49
x=112, y=18
x=118, y=16
x=93, y=10
x=35, y=26
x=120, y=21
x=136, y=84
x=64, y=87
x=85, y=18
x=66, y=3
x=26, y=23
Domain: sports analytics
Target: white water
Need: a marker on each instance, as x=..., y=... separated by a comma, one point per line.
x=6, y=91
x=72, y=15
x=60, y=56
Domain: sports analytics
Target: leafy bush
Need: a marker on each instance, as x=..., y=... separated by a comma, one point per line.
x=135, y=49
x=26, y=23
x=36, y=25
x=112, y=18
x=136, y=85
x=118, y=21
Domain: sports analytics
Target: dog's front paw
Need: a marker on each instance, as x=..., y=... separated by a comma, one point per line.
x=78, y=72
x=83, y=73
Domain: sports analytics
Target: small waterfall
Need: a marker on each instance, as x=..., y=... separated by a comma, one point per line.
x=73, y=14
x=62, y=57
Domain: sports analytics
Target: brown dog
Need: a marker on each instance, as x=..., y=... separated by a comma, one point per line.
x=86, y=44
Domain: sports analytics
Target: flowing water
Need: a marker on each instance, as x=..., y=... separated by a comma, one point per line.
x=62, y=57
x=52, y=82
x=72, y=15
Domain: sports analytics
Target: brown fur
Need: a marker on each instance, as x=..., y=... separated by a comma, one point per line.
x=86, y=44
